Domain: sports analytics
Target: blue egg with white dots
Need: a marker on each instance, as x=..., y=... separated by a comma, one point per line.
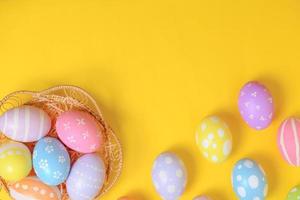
x=249, y=180
x=51, y=161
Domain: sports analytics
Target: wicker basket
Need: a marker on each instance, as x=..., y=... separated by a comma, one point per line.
x=58, y=99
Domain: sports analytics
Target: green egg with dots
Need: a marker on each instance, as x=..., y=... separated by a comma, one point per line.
x=294, y=193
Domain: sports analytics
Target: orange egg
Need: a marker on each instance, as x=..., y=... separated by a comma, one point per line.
x=32, y=188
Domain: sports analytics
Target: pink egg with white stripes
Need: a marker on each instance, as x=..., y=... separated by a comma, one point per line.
x=288, y=140
x=256, y=105
x=79, y=131
x=25, y=123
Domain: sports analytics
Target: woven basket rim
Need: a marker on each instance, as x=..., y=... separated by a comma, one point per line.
x=90, y=98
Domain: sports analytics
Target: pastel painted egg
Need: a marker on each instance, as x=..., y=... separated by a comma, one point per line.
x=214, y=139
x=294, y=193
x=86, y=178
x=256, y=105
x=202, y=197
x=288, y=140
x=51, y=161
x=15, y=161
x=79, y=131
x=25, y=124
x=31, y=188
x=169, y=176
x=249, y=180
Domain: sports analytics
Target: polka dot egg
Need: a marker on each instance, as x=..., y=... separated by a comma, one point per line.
x=294, y=193
x=51, y=161
x=288, y=140
x=169, y=176
x=249, y=180
x=214, y=139
x=256, y=105
x=31, y=188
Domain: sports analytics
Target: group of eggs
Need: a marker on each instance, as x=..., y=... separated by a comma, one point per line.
x=50, y=159
x=214, y=139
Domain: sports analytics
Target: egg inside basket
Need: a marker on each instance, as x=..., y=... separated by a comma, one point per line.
x=57, y=100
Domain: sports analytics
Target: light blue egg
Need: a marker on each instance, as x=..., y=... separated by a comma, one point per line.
x=51, y=161
x=249, y=180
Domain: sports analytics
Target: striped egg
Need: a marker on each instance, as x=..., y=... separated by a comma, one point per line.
x=25, y=123
x=15, y=161
x=86, y=178
x=31, y=188
x=289, y=140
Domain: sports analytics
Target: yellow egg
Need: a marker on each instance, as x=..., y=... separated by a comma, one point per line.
x=15, y=161
x=214, y=139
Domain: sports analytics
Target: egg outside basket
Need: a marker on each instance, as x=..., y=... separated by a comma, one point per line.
x=58, y=99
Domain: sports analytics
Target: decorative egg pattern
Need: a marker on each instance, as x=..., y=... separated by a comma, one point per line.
x=169, y=176
x=256, y=105
x=86, y=178
x=51, y=161
x=294, y=193
x=25, y=124
x=249, y=180
x=31, y=188
x=214, y=139
x=289, y=140
x=79, y=131
x=202, y=197
x=15, y=161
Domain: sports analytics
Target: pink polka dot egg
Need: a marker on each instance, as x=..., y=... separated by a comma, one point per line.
x=256, y=105
x=288, y=140
x=79, y=131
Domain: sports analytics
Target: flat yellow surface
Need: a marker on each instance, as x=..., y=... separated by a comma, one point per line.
x=157, y=68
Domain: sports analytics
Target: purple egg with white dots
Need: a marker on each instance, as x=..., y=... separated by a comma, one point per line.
x=256, y=105
x=169, y=176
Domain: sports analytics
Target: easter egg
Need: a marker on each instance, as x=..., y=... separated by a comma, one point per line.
x=15, y=161
x=79, y=131
x=202, y=197
x=256, y=105
x=31, y=188
x=169, y=176
x=288, y=140
x=86, y=178
x=214, y=139
x=25, y=124
x=294, y=193
x=249, y=180
x=51, y=161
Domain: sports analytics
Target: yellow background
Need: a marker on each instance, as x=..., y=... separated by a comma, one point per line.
x=157, y=68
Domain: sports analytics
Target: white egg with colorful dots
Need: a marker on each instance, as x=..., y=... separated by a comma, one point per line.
x=249, y=180
x=169, y=176
x=214, y=139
